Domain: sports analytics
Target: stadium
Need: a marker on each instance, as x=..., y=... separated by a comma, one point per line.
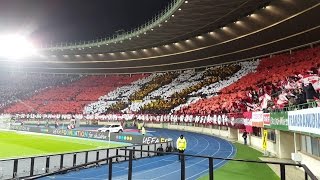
x=179, y=89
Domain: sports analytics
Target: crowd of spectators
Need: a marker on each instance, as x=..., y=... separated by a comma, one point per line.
x=70, y=98
x=178, y=91
x=154, y=84
x=117, y=99
x=15, y=87
x=280, y=81
x=271, y=83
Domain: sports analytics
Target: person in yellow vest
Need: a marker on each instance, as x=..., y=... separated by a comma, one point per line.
x=143, y=131
x=139, y=126
x=181, y=144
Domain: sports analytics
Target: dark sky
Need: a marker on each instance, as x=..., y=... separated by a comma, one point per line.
x=69, y=20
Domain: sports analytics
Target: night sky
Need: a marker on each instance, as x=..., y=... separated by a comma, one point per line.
x=72, y=20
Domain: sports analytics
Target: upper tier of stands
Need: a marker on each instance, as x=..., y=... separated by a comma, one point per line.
x=270, y=83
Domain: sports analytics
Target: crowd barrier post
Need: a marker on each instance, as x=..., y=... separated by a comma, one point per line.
x=211, y=168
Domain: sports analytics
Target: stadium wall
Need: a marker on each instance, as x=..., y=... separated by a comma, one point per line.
x=312, y=162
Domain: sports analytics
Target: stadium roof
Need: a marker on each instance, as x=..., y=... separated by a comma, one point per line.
x=203, y=33
x=181, y=20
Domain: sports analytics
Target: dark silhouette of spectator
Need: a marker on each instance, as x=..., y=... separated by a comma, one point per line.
x=310, y=93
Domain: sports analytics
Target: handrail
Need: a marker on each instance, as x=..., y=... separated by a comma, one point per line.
x=218, y=158
x=74, y=167
x=308, y=173
x=57, y=154
x=155, y=21
x=297, y=107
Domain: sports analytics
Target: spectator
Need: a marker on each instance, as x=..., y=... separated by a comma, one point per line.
x=245, y=136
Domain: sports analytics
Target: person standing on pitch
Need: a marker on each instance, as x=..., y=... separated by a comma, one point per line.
x=245, y=136
x=143, y=131
x=181, y=145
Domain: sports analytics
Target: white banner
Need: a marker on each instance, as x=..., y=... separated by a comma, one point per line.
x=305, y=120
x=257, y=119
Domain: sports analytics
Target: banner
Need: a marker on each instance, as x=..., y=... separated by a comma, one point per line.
x=257, y=119
x=305, y=120
x=247, y=118
x=266, y=119
x=118, y=137
x=279, y=120
x=247, y=121
x=265, y=140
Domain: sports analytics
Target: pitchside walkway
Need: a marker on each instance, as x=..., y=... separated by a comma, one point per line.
x=292, y=173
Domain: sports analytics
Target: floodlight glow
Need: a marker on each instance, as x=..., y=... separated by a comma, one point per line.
x=15, y=47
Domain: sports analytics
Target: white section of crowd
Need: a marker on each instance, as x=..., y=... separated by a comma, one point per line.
x=122, y=93
x=184, y=80
x=210, y=90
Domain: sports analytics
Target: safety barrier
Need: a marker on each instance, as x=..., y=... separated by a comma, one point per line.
x=133, y=153
x=300, y=106
x=307, y=172
x=40, y=166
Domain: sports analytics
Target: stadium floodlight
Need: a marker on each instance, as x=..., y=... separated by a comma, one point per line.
x=15, y=47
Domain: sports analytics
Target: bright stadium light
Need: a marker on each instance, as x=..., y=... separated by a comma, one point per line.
x=15, y=47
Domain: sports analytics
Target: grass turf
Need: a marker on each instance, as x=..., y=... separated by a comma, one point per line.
x=244, y=171
x=17, y=144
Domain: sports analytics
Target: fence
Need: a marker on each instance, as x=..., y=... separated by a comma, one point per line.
x=300, y=106
x=132, y=153
x=40, y=166
x=307, y=173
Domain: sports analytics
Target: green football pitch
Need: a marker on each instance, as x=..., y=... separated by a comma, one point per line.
x=244, y=171
x=20, y=144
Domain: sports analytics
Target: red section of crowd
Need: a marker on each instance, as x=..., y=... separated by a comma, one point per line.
x=271, y=78
x=71, y=98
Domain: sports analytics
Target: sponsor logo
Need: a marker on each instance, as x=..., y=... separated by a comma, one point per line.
x=124, y=138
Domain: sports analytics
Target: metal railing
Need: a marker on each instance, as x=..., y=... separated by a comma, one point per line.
x=41, y=166
x=155, y=21
x=131, y=156
x=307, y=173
x=307, y=105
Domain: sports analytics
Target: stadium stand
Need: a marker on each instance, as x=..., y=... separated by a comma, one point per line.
x=15, y=87
x=270, y=83
x=276, y=83
x=71, y=98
